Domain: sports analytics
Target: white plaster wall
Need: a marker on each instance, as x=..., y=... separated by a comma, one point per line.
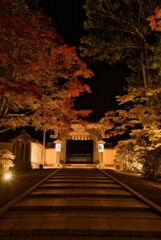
x=36, y=154
x=108, y=157
x=50, y=156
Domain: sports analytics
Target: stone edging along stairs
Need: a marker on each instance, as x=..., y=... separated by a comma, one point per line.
x=77, y=203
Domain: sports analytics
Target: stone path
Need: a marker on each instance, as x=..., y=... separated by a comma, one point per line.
x=80, y=204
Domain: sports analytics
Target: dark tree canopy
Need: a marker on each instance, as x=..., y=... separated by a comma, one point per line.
x=119, y=31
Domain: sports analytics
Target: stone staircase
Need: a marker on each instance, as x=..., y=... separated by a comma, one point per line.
x=80, y=204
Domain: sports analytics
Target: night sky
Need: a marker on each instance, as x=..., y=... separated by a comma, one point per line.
x=67, y=18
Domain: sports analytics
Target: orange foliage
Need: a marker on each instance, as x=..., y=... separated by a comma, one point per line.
x=155, y=20
x=39, y=70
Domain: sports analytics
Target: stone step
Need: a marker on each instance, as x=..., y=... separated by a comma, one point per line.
x=79, y=173
x=78, y=181
x=77, y=237
x=81, y=192
x=76, y=204
x=64, y=225
x=78, y=177
x=86, y=169
x=79, y=186
x=126, y=214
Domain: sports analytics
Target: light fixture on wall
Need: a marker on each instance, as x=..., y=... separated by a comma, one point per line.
x=58, y=145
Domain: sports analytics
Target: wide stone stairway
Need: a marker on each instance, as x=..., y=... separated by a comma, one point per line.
x=80, y=204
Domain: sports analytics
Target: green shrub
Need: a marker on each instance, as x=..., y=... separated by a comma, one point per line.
x=151, y=161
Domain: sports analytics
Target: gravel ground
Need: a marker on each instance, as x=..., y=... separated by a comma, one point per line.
x=149, y=189
x=20, y=183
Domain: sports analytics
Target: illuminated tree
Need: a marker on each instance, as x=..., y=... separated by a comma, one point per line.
x=40, y=74
x=118, y=31
x=126, y=158
x=155, y=20
x=6, y=160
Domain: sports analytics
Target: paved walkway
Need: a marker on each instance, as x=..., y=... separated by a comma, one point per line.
x=80, y=204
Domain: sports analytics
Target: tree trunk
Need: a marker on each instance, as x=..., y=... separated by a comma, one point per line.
x=144, y=70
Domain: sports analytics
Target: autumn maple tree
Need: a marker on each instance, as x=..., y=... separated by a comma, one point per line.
x=6, y=161
x=118, y=31
x=155, y=20
x=40, y=74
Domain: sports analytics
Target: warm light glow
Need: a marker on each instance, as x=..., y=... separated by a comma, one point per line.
x=7, y=176
x=33, y=153
x=100, y=147
x=58, y=147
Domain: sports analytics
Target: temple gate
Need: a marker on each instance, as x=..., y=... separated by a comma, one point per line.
x=80, y=145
